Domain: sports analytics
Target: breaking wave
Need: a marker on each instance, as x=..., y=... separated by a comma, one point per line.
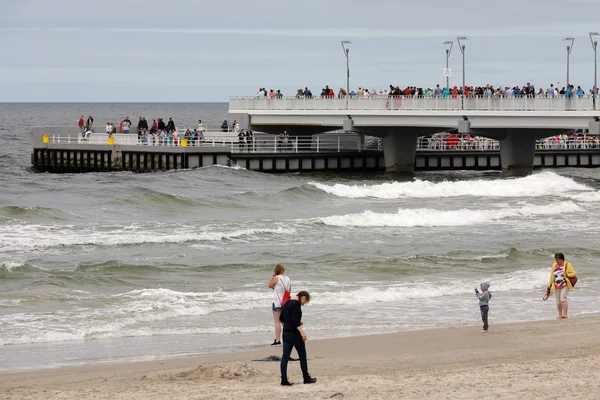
x=431, y=217
x=542, y=184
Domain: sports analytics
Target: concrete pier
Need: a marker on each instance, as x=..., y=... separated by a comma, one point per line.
x=517, y=152
x=399, y=152
x=333, y=152
x=515, y=122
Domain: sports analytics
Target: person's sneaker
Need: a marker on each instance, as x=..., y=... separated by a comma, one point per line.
x=308, y=380
x=276, y=343
x=285, y=382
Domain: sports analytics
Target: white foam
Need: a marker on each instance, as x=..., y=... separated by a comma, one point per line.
x=10, y=303
x=234, y=167
x=588, y=197
x=520, y=280
x=431, y=217
x=10, y=265
x=150, y=312
x=137, y=310
x=541, y=184
x=18, y=237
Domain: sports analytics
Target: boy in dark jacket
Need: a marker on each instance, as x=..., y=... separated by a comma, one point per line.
x=294, y=336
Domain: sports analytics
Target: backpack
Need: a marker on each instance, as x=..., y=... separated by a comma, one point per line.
x=286, y=295
x=572, y=279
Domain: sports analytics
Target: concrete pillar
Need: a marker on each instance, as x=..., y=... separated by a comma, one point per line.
x=517, y=151
x=399, y=148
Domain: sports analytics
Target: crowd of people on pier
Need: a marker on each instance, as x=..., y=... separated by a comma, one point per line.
x=158, y=133
x=484, y=91
x=455, y=141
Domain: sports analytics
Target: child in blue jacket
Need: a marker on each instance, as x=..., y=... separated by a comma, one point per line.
x=484, y=298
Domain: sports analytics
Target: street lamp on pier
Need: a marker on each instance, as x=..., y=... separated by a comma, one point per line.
x=462, y=50
x=595, y=47
x=569, y=48
x=346, y=52
x=448, y=44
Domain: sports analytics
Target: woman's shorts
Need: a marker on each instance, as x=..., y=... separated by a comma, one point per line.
x=561, y=294
x=275, y=309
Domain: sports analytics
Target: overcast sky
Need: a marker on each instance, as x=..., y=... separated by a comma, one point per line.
x=208, y=50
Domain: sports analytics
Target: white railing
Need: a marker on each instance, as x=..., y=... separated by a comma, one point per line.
x=415, y=103
x=132, y=139
x=451, y=143
x=323, y=143
x=257, y=144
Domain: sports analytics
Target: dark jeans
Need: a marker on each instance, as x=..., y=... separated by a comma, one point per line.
x=484, y=316
x=289, y=341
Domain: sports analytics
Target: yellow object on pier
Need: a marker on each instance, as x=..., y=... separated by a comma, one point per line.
x=184, y=142
x=111, y=140
x=45, y=138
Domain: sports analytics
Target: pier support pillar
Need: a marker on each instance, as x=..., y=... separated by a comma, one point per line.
x=517, y=150
x=399, y=150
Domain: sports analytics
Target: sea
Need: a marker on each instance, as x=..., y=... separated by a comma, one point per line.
x=116, y=267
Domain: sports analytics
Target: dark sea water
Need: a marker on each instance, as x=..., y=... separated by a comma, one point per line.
x=106, y=267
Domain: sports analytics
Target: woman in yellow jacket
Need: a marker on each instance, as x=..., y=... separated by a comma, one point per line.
x=559, y=278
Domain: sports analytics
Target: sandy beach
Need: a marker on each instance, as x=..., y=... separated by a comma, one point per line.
x=554, y=359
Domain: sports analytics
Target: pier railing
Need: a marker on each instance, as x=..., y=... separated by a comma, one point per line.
x=319, y=143
x=414, y=103
x=258, y=144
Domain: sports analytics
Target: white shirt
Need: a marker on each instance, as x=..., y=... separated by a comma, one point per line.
x=283, y=283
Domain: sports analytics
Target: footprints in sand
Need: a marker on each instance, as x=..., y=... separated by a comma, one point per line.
x=236, y=370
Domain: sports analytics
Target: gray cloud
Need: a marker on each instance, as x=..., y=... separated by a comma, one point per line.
x=206, y=50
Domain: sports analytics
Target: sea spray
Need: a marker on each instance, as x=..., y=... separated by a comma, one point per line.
x=430, y=217
x=541, y=184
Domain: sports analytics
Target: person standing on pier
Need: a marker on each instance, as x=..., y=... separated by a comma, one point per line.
x=161, y=124
x=250, y=141
x=241, y=140
x=81, y=124
x=125, y=125
x=171, y=125
x=90, y=122
x=142, y=125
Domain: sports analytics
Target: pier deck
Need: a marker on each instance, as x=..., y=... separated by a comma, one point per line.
x=59, y=152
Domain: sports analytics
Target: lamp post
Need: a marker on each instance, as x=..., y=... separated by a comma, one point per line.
x=595, y=46
x=346, y=52
x=462, y=50
x=448, y=51
x=569, y=48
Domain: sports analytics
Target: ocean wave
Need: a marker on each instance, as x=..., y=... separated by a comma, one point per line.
x=588, y=197
x=540, y=184
x=12, y=265
x=128, y=311
x=18, y=237
x=32, y=213
x=234, y=167
x=115, y=266
x=429, y=217
x=519, y=280
x=149, y=312
x=154, y=198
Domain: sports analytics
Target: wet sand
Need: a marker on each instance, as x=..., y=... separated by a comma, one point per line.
x=557, y=359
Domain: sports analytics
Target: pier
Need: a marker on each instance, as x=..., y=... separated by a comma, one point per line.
x=62, y=150
x=516, y=123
